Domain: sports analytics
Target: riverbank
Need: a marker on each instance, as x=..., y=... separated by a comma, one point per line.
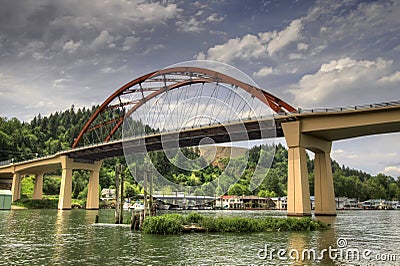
x=45, y=203
x=177, y=223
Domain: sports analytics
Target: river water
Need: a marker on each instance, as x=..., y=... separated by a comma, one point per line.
x=51, y=237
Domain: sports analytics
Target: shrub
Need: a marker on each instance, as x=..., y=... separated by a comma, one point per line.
x=165, y=224
x=194, y=218
x=172, y=224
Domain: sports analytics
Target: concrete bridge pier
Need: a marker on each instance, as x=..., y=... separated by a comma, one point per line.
x=64, y=200
x=38, y=187
x=298, y=199
x=92, y=201
x=298, y=202
x=67, y=165
x=16, y=186
x=39, y=167
x=323, y=185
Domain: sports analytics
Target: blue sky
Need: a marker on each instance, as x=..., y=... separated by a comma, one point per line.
x=311, y=53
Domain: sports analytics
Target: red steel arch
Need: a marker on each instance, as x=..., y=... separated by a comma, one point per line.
x=160, y=82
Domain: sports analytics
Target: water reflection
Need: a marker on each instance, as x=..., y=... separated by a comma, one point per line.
x=327, y=239
x=61, y=232
x=298, y=242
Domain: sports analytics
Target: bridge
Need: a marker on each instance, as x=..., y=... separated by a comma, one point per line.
x=137, y=118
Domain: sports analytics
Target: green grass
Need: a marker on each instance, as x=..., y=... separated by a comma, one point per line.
x=173, y=223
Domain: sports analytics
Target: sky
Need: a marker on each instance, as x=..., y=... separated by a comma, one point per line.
x=55, y=54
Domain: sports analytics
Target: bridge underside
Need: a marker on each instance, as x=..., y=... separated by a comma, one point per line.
x=360, y=131
x=334, y=126
x=248, y=130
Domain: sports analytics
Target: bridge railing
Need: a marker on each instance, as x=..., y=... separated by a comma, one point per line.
x=6, y=162
x=350, y=108
x=16, y=161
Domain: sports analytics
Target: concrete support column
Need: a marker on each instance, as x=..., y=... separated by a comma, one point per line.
x=298, y=198
x=16, y=186
x=324, y=191
x=38, y=188
x=64, y=201
x=92, y=202
x=298, y=193
x=298, y=187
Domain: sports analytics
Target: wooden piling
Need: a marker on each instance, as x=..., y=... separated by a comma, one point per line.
x=117, y=209
x=121, y=206
x=135, y=221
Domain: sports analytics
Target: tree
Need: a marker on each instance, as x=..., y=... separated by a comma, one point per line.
x=79, y=182
x=272, y=184
x=129, y=189
x=51, y=185
x=238, y=190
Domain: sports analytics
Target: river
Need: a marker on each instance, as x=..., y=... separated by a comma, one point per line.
x=51, y=237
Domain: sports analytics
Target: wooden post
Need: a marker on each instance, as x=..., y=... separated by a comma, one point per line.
x=145, y=189
x=151, y=193
x=133, y=220
x=116, y=195
x=141, y=218
x=121, y=219
x=136, y=220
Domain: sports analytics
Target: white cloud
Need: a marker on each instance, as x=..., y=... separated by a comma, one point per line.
x=263, y=72
x=129, y=43
x=288, y=35
x=111, y=70
x=337, y=151
x=200, y=56
x=61, y=83
x=339, y=79
x=114, y=12
x=154, y=12
x=71, y=46
x=214, y=18
x=266, y=37
x=246, y=48
x=103, y=39
x=392, y=171
x=191, y=25
x=153, y=48
x=198, y=22
x=302, y=46
x=249, y=47
x=395, y=77
x=295, y=56
x=38, y=56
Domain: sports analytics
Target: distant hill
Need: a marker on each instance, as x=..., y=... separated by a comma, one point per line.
x=215, y=154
